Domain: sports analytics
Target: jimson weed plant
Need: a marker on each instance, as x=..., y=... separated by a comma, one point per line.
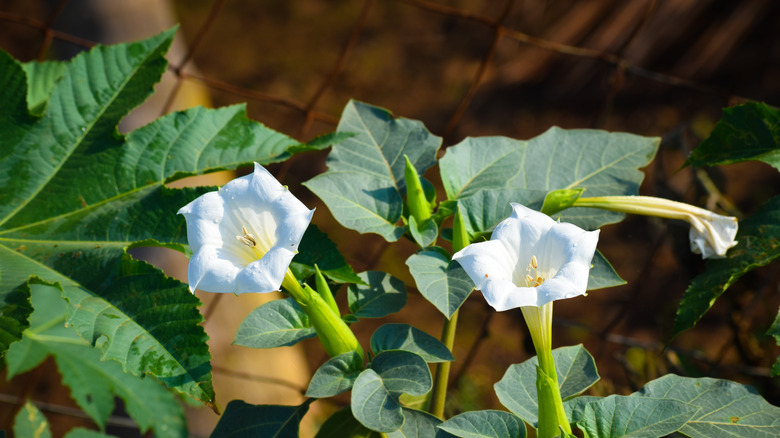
x=516, y=220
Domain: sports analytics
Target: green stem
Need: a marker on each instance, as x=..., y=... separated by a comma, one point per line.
x=443, y=369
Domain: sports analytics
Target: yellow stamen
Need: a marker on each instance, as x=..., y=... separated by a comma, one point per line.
x=247, y=239
x=534, y=262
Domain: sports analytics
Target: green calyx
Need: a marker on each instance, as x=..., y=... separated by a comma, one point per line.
x=419, y=208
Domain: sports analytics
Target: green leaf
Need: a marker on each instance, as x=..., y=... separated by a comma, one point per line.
x=80, y=432
x=41, y=77
x=278, y=323
x=364, y=184
x=440, y=280
x=407, y=338
x=575, y=407
x=774, y=331
x=74, y=194
x=485, y=424
x=320, y=142
x=402, y=372
x=373, y=405
x=316, y=248
x=15, y=310
x=383, y=295
x=725, y=408
x=336, y=375
x=423, y=234
x=636, y=417
x=602, y=274
x=273, y=421
x=600, y=162
x=745, y=132
x=759, y=245
x=576, y=371
x=29, y=421
x=343, y=424
x=419, y=424
x=93, y=383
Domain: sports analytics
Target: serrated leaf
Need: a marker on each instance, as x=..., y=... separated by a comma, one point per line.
x=485, y=424
x=407, y=338
x=364, y=184
x=600, y=162
x=316, y=248
x=419, y=424
x=745, y=132
x=382, y=295
x=74, y=195
x=93, y=383
x=725, y=408
x=41, y=77
x=29, y=421
x=758, y=245
x=774, y=331
x=576, y=371
x=336, y=375
x=636, y=417
x=278, y=323
x=242, y=419
x=373, y=405
x=440, y=280
x=343, y=424
x=15, y=310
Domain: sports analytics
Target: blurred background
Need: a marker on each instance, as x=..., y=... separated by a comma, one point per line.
x=464, y=68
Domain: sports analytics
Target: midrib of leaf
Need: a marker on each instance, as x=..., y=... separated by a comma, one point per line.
x=350, y=201
x=484, y=169
x=75, y=212
x=574, y=184
x=379, y=149
x=85, y=132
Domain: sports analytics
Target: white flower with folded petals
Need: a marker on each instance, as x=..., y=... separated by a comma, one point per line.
x=244, y=235
x=531, y=260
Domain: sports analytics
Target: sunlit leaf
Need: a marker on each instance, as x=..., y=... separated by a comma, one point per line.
x=336, y=375
x=485, y=424
x=725, y=408
x=278, y=323
x=517, y=389
x=364, y=184
x=440, y=280
x=29, y=421
x=637, y=417
x=381, y=295
x=407, y=338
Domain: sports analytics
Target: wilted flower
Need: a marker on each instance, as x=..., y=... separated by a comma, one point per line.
x=711, y=235
x=531, y=260
x=244, y=235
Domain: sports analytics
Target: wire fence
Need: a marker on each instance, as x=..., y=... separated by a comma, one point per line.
x=470, y=67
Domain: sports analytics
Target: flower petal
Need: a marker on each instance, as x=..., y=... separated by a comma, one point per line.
x=212, y=269
x=712, y=235
x=266, y=274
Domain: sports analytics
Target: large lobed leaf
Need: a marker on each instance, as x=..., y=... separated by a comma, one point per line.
x=93, y=383
x=745, y=132
x=75, y=194
x=758, y=245
x=364, y=185
x=485, y=174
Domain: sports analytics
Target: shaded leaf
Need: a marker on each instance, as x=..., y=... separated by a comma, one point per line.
x=336, y=375
x=725, y=408
x=15, y=310
x=602, y=274
x=343, y=424
x=575, y=407
x=745, y=132
x=485, y=424
x=383, y=295
x=774, y=331
x=93, y=383
x=423, y=234
x=758, y=245
x=576, y=371
x=440, y=280
x=278, y=323
x=320, y=142
x=242, y=419
x=407, y=338
x=364, y=184
x=419, y=424
x=402, y=372
x=80, y=432
x=637, y=417
x=316, y=248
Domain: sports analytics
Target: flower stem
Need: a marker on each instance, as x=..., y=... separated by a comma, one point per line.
x=443, y=369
